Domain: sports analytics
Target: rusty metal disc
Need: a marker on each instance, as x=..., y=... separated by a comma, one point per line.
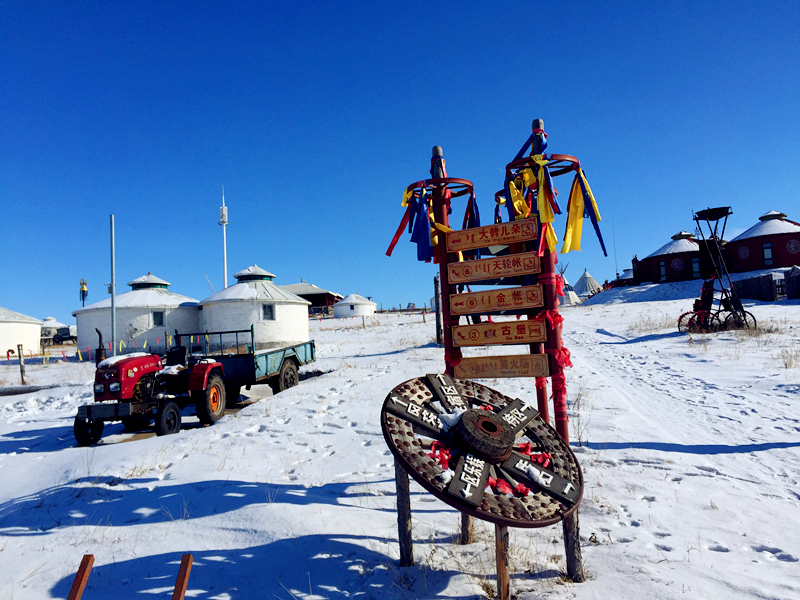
x=481, y=452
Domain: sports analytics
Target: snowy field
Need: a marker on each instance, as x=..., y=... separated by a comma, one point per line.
x=690, y=447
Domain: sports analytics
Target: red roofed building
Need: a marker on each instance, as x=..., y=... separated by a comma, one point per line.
x=678, y=260
x=771, y=243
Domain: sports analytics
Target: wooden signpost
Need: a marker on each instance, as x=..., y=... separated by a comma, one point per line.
x=523, y=312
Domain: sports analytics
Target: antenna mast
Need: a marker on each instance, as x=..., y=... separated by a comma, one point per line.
x=223, y=220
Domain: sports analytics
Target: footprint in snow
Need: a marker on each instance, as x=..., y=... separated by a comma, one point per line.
x=718, y=548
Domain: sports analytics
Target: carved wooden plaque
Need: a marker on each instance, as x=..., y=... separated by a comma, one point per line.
x=495, y=300
x=493, y=235
x=507, y=332
x=484, y=367
x=512, y=265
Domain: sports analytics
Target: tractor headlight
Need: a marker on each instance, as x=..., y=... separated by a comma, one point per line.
x=113, y=387
x=99, y=388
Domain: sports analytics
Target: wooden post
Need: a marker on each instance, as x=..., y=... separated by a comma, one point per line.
x=183, y=577
x=501, y=549
x=467, y=533
x=403, y=515
x=81, y=576
x=572, y=548
x=438, y=309
x=21, y=365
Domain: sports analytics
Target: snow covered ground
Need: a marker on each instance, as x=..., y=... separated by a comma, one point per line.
x=689, y=446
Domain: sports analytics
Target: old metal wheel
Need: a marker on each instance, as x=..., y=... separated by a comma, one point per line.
x=288, y=376
x=503, y=464
x=683, y=321
x=210, y=402
x=168, y=419
x=744, y=320
x=87, y=431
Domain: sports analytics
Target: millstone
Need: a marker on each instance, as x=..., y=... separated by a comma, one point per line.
x=486, y=435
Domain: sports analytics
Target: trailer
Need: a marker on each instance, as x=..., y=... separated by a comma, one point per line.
x=206, y=369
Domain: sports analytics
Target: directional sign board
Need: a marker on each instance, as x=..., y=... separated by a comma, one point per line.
x=484, y=367
x=493, y=235
x=496, y=300
x=485, y=269
x=509, y=332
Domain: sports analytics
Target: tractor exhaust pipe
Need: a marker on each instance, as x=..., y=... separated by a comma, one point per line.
x=100, y=353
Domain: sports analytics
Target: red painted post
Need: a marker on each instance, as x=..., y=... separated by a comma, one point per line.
x=553, y=345
x=441, y=203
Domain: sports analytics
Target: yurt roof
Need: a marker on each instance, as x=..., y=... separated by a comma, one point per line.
x=355, y=299
x=142, y=298
x=679, y=243
x=51, y=322
x=771, y=223
x=307, y=289
x=627, y=274
x=9, y=316
x=586, y=285
x=147, y=281
x=254, y=273
x=254, y=290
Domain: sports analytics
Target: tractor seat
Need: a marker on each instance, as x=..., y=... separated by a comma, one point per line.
x=178, y=356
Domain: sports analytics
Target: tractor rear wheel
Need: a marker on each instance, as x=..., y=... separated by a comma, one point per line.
x=168, y=419
x=210, y=402
x=87, y=431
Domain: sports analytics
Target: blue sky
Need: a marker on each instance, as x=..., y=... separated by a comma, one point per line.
x=315, y=116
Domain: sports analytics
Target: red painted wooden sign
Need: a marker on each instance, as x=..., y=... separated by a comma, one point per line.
x=493, y=235
x=494, y=268
x=525, y=365
x=510, y=332
x=492, y=301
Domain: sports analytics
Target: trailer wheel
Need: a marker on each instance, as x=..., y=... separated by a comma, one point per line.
x=136, y=422
x=168, y=419
x=232, y=395
x=210, y=402
x=287, y=377
x=87, y=431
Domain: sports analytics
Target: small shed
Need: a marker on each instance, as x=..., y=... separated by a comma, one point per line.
x=16, y=328
x=677, y=260
x=321, y=300
x=144, y=313
x=773, y=242
x=279, y=318
x=354, y=305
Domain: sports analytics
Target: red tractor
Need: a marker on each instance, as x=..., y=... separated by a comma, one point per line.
x=137, y=387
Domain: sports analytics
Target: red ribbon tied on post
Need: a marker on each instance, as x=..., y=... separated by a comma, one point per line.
x=561, y=356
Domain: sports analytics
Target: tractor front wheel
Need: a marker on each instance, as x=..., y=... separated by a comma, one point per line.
x=168, y=419
x=87, y=431
x=210, y=402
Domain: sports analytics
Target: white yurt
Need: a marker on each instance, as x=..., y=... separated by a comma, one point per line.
x=144, y=313
x=354, y=305
x=570, y=297
x=586, y=286
x=16, y=328
x=279, y=317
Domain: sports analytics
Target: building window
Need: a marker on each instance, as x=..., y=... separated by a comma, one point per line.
x=767, y=253
x=662, y=269
x=696, y=268
x=352, y=307
x=268, y=312
x=158, y=318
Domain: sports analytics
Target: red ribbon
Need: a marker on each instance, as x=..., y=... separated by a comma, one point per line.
x=400, y=230
x=440, y=453
x=541, y=383
x=452, y=357
x=561, y=356
x=559, y=392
